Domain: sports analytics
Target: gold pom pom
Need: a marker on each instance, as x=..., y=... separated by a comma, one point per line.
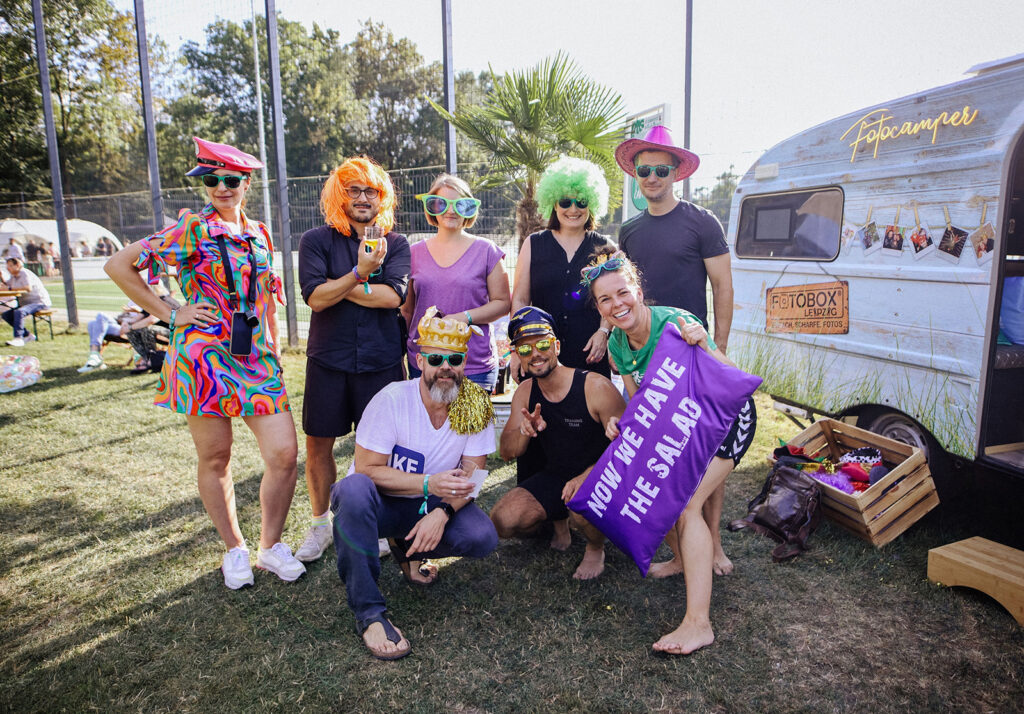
x=471, y=411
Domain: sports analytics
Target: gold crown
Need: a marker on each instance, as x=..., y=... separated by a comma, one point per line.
x=444, y=333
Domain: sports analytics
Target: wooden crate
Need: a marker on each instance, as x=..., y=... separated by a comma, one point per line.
x=891, y=505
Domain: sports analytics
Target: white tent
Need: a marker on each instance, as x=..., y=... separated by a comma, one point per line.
x=41, y=232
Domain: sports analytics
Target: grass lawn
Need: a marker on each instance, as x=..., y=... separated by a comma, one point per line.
x=111, y=598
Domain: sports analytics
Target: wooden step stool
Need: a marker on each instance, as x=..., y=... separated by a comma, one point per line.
x=994, y=569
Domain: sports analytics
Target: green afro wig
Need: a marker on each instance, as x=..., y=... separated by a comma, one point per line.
x=575, y=178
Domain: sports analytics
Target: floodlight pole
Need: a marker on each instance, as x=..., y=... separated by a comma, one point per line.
x=282, y=172
x=51, y=145
x=449, y=85
x=259, y=111
x=686, y=95
x=147, y=114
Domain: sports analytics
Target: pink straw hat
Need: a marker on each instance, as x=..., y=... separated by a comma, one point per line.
x=658, y=138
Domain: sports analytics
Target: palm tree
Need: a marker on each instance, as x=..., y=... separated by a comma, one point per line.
x=533, y=116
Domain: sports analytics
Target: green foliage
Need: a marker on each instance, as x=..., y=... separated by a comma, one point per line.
x=718, y=199
x=530, y=117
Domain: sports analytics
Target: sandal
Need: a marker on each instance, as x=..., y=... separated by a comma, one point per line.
x=425, y=569
x=389, y=631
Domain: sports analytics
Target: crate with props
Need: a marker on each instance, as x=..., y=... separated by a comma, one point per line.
x=890, y=505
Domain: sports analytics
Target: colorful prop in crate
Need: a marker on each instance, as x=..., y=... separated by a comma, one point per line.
x=671, y=430
x=18, y=372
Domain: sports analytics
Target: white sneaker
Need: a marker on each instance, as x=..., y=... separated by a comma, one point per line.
x=236, y=569
x=29, y=338
x=316, y=542
x=16, y=342
x=383, y=548
x=280, y=561
x=95, y=361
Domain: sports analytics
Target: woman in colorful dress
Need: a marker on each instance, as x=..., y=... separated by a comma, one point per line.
x=614, y=283
x=223, y=360
x=460, y=273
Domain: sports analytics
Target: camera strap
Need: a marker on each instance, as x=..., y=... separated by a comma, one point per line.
x=229, y=273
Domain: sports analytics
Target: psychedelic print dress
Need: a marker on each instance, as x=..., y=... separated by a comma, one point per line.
x=200, y=376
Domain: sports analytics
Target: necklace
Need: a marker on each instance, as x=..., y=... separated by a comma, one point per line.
x=636, y=353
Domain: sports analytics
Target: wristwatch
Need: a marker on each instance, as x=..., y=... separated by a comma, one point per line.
x=447, y=508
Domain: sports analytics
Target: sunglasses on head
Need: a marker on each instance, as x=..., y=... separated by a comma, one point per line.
x=356, y=192
x=591, y=273
x=661, y=170
x=439, y=205
x=541, y=345
x=211, y=180
x=436, y=360
x=566, y=202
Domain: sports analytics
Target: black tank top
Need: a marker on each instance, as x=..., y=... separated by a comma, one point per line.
x=555, y=287
x=573, y=440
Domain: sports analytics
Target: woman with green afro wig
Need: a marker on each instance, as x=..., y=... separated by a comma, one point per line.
x=576, y=178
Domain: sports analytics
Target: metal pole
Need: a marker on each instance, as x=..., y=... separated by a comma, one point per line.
x=282, y=171
x=147, y=114
x=51, y=144
x=259, y=112
x=686, y=100
x=449, y=85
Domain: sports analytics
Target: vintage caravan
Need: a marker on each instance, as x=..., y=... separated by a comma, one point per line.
x=869, y=259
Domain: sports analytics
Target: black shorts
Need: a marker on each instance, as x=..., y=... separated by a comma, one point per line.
x=547, y=489
x=741, y=434
x=334, y=401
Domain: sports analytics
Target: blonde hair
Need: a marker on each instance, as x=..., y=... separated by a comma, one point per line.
x=458, y=186
x=334, y=200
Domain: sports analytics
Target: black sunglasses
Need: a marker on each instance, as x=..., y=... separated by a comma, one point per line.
x=566, y=202
x=211, y=180
x=661, y=170
x=436, y=360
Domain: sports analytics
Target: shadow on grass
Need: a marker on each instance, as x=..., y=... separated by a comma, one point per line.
x=127, y=438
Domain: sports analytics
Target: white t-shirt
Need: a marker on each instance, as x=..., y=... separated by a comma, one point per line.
x=396, y=422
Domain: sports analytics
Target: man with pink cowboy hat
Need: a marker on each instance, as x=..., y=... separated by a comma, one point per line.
x=678, y=247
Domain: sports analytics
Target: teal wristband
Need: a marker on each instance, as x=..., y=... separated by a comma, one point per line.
x=469, y=318
x=426, y=492
x=170, y=321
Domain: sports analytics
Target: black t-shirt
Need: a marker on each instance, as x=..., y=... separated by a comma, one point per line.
x=345, y=336
x=670, y=252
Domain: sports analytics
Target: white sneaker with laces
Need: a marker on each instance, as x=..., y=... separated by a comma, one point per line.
x=16, y=342
x=236, y=569
x=316, y=542
x=280, y=561
x=95, y=361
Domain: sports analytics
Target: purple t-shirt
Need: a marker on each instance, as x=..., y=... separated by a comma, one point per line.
x=459, y=287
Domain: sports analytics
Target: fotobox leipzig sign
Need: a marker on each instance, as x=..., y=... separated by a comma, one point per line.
x=820, y=309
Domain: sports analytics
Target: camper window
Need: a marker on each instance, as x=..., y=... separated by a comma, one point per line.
x=797, y=225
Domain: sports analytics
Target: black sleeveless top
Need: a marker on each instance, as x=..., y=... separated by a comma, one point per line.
x=573, y=440
x=555, y=287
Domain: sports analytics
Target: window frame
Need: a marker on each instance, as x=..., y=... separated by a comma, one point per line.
x=743, y=250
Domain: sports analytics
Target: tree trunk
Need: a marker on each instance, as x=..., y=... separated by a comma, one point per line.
x=527, y=220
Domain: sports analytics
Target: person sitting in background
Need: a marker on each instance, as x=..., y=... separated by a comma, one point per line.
x=34, y=300
x=135, y=325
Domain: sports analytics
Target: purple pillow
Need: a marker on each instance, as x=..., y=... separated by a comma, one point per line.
x=669, y=433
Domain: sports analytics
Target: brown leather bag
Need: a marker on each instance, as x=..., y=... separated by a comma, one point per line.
x=787, y=510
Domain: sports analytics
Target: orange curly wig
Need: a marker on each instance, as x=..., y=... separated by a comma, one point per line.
x=361, y=170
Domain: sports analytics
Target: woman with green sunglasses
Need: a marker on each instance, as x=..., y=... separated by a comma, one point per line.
x=462, y=274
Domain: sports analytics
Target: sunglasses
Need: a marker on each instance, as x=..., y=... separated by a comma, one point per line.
x=566, y=202
x=661, y=170
x=591, y=273
x=436, y=360
x=439, y=205
x=541, y=345
x=356, y=192
x=211, y=180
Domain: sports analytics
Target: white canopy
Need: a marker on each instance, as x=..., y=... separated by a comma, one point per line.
x=45, y=231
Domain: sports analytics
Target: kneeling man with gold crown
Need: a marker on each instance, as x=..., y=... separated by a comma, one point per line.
x=417, y=446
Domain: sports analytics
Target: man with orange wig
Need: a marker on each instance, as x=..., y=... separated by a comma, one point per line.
x=354, y=272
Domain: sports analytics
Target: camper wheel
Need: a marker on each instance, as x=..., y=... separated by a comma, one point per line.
x=900, y=427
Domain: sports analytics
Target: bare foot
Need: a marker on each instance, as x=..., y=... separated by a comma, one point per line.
x=561, y=539
x=419, y=572
x=592, y=564
x=380, y=646
x=665, y=569
x=686, y=639
x=721, y=563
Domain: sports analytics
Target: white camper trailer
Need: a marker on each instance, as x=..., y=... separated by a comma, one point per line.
x=869, y=259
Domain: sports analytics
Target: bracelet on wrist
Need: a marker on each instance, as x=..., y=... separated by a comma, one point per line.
x=448, y=509
x=171, y=319
x=355, y=272
x=426, y=492
x=605, y=330
x=469, y=318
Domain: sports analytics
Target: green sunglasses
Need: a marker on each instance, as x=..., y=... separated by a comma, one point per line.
x=211, y=180
x=541, y=345
x=436, y=360
x=439, y=205
x=661, y=170
x=564, y=203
